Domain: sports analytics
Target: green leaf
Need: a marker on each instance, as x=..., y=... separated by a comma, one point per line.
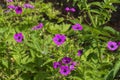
x=75, y=78
x=60, y=20
x=55, y=28
x=113, y=72
x=74, y=21
x=114, y=1
x=17, y=58
x=5, y=63
x=95, y=4
x=110, y=29
x=85, y=55
x=48, y=61
x=41, y=75
x=116, y=68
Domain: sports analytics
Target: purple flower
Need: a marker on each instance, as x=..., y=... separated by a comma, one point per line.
x=28, y=6
x=112, y=45
x=59, y=39
x=72, y=67
x=18, y=37
x=9, y=0
x=79, y=52
x=67, y=9
x=72, y=10
x=18, y=10
x=66, y=60
x=77, y=27
x=11, y=7
x=39, y=26
x=56, y=65
x=64, y=70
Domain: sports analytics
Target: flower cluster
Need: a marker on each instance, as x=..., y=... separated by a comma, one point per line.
x=70, y=9
x=18, y=9
x=19, y=36
x=66, y=65
x=59, y=39
x=112, y=46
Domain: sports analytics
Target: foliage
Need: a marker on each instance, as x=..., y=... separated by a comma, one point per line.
x=33, y=58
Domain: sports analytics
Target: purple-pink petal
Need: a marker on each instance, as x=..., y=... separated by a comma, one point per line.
x=56, y=65
x=66, y=60
x=79, y=52
x=118, y=43
x=74, y=63
x=67, y=9
x=39, y=26
x=77, y=27
x=11, y=7
x=72, y=10
x=72, y=67
x=9, y=0
x=28, y=6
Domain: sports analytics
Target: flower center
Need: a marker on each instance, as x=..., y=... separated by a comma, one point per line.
x=77, y=27
x=67, y=61
x=59, y=40
x=19, y=37
x=64, y=70
x=112, y=46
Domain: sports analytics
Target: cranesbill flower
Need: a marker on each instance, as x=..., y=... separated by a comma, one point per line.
x=9, y=0
x=66, y=60
x=72, y=9
x=77, y=27
x=112, y=45
x=56, y=65
x=39, y=26
x=64, y=70
x=59, y=39
x=18, y=37
x=11, y=7
x=18, y=10
x=79, y=52
x=67, y=9
x=28, y=6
